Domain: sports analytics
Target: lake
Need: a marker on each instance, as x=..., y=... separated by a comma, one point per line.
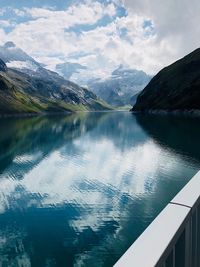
x=77, y=190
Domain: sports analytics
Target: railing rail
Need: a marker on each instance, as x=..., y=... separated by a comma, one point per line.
x=173, y=238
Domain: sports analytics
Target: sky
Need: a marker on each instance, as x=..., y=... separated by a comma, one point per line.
x=102, y=34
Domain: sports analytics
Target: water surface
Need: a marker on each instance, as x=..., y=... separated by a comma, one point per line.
x=77, y=190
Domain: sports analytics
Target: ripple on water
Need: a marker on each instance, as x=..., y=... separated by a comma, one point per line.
x=78, y=190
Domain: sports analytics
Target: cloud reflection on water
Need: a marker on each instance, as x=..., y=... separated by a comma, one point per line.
x=89, y=183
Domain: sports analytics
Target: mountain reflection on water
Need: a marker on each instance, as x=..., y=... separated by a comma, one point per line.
x=77, y=190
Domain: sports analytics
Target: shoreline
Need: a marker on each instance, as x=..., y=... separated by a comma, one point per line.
x=177, y=112
x=192, y=113
x=21, y=115
x=44, y=114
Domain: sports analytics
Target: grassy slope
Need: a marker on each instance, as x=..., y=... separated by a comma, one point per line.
x=15, y=99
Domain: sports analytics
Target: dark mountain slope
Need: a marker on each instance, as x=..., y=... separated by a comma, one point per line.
x=176, y=87
x=3, y=66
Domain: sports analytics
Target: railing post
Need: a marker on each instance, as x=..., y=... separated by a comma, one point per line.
x=188, y=243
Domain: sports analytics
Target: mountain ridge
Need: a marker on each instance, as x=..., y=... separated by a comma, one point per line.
x=40, y=90
x=121, y=87
x=175, y=88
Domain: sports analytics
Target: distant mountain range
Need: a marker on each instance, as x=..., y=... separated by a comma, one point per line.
x=26, y=86
x=174, y=88
x=122, y=87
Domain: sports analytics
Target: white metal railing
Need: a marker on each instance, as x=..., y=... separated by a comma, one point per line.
x=173, y=238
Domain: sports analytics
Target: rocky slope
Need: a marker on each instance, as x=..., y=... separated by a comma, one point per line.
x=121, y=87
x=3, y=66
x=36, y=89
x=176, y=87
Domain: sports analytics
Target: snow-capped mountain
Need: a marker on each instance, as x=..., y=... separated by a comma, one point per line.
x=15, y=57
x=121, y=87
x=26, y=86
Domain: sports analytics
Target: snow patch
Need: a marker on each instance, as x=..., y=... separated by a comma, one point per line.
x=22, y=65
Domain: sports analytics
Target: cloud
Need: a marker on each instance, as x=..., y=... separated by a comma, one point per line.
x=2, y=36
x=5, y=23
x=145, y=35
x=47, y=33
x=3, y=11
x=135, y=47
x=77, y=14
x=176, y=24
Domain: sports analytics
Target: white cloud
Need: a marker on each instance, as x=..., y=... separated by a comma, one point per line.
x=137, y=49
x=5, y=23
x=176, y=24
x=3, y=11
x=48, y=35
x=75, y=15
x=20, y=12
x=2, y=36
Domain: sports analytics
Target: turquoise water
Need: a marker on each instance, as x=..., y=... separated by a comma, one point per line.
x=78, y=190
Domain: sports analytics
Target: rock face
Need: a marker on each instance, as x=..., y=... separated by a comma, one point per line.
x=119, y=89
x=3, y=66
x=176, y=87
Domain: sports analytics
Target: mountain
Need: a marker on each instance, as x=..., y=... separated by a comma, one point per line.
x=67, y=69
x=16, y=58
x=35, y=90
x=134, y=98
x=176, y=87
x=121, y=86
x=3, y=66
x=22, y=93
